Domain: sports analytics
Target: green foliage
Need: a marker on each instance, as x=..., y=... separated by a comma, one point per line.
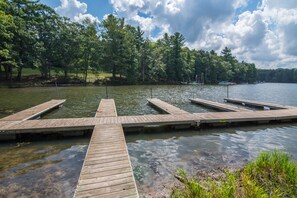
x=275, y=173
x=272, y=174
x=34, y=36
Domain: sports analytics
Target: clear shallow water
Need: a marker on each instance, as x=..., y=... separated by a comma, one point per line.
x=51, y=168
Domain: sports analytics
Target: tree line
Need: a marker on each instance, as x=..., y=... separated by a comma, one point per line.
x=34, y=36
x=278, y=75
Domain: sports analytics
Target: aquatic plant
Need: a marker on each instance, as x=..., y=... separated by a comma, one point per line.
x=272, y=174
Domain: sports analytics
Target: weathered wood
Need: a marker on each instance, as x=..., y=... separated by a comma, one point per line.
x=253, y=103
x=34, y=112
x=107, y=171
x=164, y=106
x=106, y=108
x=120, y=177
x=217, y=105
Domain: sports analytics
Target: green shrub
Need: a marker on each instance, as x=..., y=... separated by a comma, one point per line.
x=272, y=174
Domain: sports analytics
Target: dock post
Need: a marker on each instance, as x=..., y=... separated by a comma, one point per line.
x=106, y=89
x=151, y=92
x=227, y=91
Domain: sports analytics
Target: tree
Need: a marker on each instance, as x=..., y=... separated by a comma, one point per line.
x=47, y=28
x=6, y=36
x=67, y=42
x=113, y=35
x=227, y=54
x=142, y=47
x=177, y=62
x=156, y=67
x=25, y=44
x=90, y=47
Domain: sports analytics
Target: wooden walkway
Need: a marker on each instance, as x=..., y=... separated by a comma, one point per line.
x=34, y=112
x=107, y=171
x=256, y=103
x=164, y=106
x=106, y=108
x=70, y=124
x=217, y=105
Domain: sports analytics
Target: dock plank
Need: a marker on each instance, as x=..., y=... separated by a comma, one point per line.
x=34, y=112
x=106, y=108
x=107, y=170
x=166, y=107
x=217, y=105
x=119, y=181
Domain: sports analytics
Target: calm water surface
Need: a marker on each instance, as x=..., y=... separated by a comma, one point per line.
x=51, y=167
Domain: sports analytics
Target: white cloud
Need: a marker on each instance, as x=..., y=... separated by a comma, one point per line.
x=146, y=24
x=266, y=35
x=75, y=10
x=185, y=16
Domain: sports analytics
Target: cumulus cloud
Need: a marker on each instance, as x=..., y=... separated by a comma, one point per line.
x=190, y=17
x=265, y=35
x=75, y=10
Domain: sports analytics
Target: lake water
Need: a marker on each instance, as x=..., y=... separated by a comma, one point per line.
x=51, y=167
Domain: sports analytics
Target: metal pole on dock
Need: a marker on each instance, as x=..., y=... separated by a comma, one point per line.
x=227, y=91
x=106, y=89
x=151, y=92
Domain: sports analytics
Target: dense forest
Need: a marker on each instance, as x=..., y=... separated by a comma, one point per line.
x=278, y=75
x=34, y=36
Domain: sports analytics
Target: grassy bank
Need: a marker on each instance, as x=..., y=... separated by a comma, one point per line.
x=92, y=76
x=272, y=174
x=33, y=78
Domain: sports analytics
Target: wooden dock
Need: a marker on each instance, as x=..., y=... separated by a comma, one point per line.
x=165, y=107
x=34, y=112
x=107, y=170
x=217, y=105
x=257, y=103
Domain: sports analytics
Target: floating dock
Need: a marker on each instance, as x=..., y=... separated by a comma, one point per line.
x=165, y=107
x=196, y=119
x=107, y=170
x=252, y=103
x=217, y=105
x=34, y=112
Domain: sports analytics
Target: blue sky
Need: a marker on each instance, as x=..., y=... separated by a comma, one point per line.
x=97, y=8
x=259, y=31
